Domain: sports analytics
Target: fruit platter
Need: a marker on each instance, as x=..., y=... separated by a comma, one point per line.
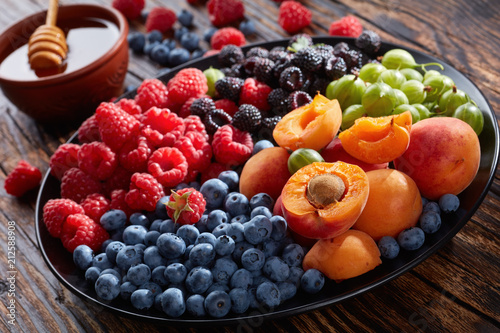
x=334, y=286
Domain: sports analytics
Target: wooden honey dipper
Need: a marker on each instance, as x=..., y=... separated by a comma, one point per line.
x=47, y=46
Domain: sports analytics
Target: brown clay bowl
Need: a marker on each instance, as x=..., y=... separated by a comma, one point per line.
x=71, y=96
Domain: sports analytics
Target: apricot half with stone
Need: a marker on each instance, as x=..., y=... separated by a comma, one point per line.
x=312, y=126
x=378, y=140
x=323, y=200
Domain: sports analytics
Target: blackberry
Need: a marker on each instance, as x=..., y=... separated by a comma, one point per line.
x=291, y=79
x=325, y=51
x=250, y=63
x=202, y=106
x=271, y=122
x=340, y=48
x=257, y=51
x=335, y=68
x=230, y=55
x=277, y=99
x=238, y=70
x=297, y=99
x=308, y=59
x=264, y=70
x=352, y=58
x=247, y=118
x=266, y=130
x=282, y=64
x=229, y=87
x=369, y=42
x=215, y=119
x=318, y=85
x=277, y=53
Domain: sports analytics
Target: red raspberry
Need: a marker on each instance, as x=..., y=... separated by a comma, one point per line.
x=191, y=176
x=144, y=193
x=151, y=92
x=135, y=153
x=23, y=178
x=118, y=201
x=195, y=124
x=162, y=127
x=255, y=93
x=195, y=149
x=293, y=16
x=213, y=171
x=227, y=105
x=348, y=26
x=210, y=52
x=95, y=205
x=79, y=229
x=119, y=180
x=129, y=105
x=55, y=212
x=232, y=146
x=224, y=12
x=225, y=36
x=115, y=126
x=97, y=159
x=160, y=18
x=89, y=130
x=64, y=158
x=131, y=9
x=187, y=83
x=168, y=166
x=186, y=206
x=77, y=185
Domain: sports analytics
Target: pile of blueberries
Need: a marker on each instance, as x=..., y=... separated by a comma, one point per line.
x=239, y=256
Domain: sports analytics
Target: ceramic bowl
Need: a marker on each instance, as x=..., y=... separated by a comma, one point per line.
x=72, y=95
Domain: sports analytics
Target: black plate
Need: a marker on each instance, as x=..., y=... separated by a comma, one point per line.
x=61, y=264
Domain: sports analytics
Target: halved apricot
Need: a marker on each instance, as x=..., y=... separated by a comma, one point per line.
x=378, y=139
x=311, y=126
x=323, y=200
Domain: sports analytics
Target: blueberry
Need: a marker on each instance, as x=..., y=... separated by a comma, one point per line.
x=276, y=269
x=151, y=237
x=295, y=275
x=128, y=256
x=201, y=225
x=287, y=290
x=221, y=230
x=206, y=237
x=261, y=144
x=139, y=274
x=236, y=232
x=149, y=47
x=223, y=269
x=178, y=33
x=113, y=219
x=168, y=226
x=139, y=219
x=105, y=244
x=198, y=280
x=270, y=247
x=262, y=199
x=101, y=261
x=151, y=286
x=430, y=222
x=411, y=238
x=231, y=178
x=217, y=304
x=178, y=56
x=155, y=225
x=171, y=44
x=268, y=294
x=134, y=234
x=449, y=203
x=111, y=271
x=171, y=246
x=154, y=36
x=279, y=227
x=161, y=208
x=176, y=273
x=389, y=247
x=218, y=286
x=239, y=248
x=126, y=290
x=198, y=53
x=258, y=229
x=247, y=27
x=215, y=218
x=136, y=42
x=140, y=246
x=172, y=302
x=117, y=235
x=181, y=186
x=153, y=258
x=189, y=233
x=312, y=281
x=214, y=191
x=293, y=254
x=107, y=287
x=253, y=259
x=91, y=274
x=236, y=204
x=242, y=278
x=83, y=256
x=142, y=299
x=240, y=301
x=224, y=245
x=431, y=205
x=240, y=219
x=194, y=184
x=195, y=305
x=259, y=279
x=207, y=35
x=261, y=210
x=185, y=18
x=158, y=276
x=190, y=41
x=202, y=254
x=160, y=54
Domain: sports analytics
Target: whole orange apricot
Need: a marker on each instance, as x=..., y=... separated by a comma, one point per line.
x=394, y=204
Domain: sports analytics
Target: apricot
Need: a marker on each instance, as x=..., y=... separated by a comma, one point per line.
x=378, y=140
x=334, y=152
x=265, y=172
x=310, y=126
x=323, y=200
x=348, y=255
x=443, y=156
x=394, y=204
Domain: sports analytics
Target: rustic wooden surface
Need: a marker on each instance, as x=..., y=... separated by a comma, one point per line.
x=455, y=290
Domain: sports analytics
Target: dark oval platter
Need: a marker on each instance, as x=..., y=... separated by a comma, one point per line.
x=61, y=264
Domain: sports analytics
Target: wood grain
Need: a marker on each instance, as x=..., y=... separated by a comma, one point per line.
x=455, y=290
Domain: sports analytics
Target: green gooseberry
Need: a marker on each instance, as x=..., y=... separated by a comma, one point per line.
x=392, y=77
x=350, y=115
x=302, y=157
x=430, y=73
x=212, y=75
x=379, y=99
x=401, y=98
x=451, y=100
x=348, y=90
x=415, y=115
x=371, y=71
x=412, y=74
x=422, y=111
x=436, y=85
x=414, y=90
x=472, y=115
x=399, y=58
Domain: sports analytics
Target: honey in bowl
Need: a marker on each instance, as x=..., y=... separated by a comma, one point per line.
x=88, y=39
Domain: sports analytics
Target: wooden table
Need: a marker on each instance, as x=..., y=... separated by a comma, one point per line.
x=455, y=290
